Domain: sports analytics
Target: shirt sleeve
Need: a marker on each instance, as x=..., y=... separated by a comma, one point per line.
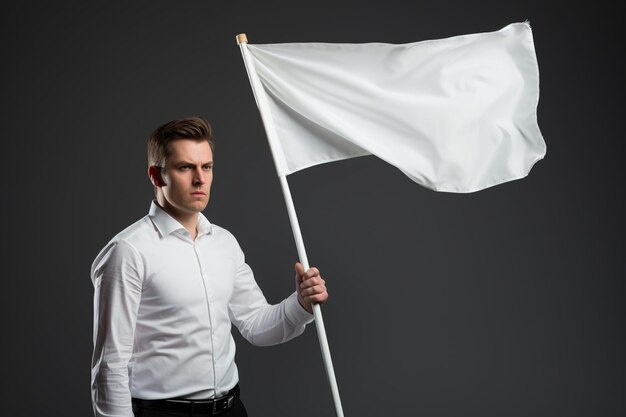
x=261, y=323
x=117, y=278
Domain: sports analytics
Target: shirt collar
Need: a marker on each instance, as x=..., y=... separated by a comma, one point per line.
x=204, y=225
x=167, y=225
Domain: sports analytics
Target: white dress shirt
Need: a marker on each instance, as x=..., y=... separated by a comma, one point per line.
x=163, y=307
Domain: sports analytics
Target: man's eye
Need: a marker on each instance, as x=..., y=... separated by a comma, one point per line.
x=207, y=167
x=185, y=168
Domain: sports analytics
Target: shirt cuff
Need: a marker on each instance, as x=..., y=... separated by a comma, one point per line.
x=296, y=314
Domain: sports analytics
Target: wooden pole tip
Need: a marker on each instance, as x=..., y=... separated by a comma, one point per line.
x=242, y=38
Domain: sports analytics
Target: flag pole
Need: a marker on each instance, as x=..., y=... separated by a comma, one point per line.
x=261, y=101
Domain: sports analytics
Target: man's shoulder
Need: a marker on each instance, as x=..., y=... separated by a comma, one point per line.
x=224, y=238
x=127, y=244
x=136, y=232
x=131, y=236
x=220, y=232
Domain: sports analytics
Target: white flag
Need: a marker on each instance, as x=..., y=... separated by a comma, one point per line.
x=455, y=114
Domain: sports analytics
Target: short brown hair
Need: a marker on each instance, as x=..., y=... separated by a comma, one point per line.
x=195, y=128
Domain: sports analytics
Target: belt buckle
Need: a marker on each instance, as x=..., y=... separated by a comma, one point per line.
x=223, y=404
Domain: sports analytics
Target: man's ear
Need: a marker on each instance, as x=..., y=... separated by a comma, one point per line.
x=154, y=172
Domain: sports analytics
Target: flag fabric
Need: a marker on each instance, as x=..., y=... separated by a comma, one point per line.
x=457, y=114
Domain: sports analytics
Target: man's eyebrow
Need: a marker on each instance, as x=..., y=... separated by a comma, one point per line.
x=189, y=163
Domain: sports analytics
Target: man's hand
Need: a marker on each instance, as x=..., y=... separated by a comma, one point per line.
x=310, y=286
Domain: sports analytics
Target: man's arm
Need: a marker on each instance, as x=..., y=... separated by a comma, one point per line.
x=116, y=275
x=264, y=324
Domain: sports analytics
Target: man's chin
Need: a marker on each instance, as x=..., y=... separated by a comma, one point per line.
x=198, y=206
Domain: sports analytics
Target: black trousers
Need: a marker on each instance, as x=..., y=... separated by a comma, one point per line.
x=238, y=410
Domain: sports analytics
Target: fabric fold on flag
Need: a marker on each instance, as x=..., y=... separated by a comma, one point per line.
x=455, y=115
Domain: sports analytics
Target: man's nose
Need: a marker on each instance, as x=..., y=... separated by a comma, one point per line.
x=198, y=177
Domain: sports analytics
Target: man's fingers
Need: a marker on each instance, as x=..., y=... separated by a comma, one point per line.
x=309, y=288
x=299, y=269
x=310, y=273
x=312, y=282
x=315, y=295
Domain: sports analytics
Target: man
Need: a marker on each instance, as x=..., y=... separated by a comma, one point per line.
x=167, y=289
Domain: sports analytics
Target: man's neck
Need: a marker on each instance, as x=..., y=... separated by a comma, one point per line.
x=188, y=220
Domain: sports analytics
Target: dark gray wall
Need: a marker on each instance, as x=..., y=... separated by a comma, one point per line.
x=506, y=302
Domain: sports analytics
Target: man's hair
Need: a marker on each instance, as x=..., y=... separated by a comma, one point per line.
x=195, y=128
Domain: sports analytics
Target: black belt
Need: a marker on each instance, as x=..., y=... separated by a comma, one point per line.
x=213, y=406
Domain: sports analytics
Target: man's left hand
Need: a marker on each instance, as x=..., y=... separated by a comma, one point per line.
x=310, y=286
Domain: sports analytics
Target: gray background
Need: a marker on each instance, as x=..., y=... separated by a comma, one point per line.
x=505, y=302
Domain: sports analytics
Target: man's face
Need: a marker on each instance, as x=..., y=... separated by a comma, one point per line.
x=187, y=177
